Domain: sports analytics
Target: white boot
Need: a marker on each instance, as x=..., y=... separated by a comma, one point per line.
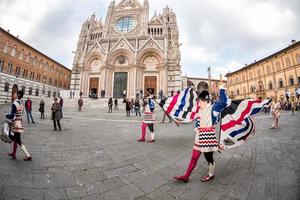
x=211, y=169
x=28, y=157
x=152, y=137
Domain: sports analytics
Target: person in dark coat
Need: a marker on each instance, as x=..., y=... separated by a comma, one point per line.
x=61, y=102
x=28, y=106
x=128, y=107
x=116, y=104
x=110, y=105
x=80, y=103
x=56, y=114
x=42, y=109
x=137, y=107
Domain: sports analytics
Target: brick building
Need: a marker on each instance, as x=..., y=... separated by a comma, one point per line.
x=24, y=67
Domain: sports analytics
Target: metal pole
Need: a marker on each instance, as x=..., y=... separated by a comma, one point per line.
x=209, y=79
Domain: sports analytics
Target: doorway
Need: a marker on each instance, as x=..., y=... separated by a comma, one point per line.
x=150, y=85
x=94, y=83
x=120, y=84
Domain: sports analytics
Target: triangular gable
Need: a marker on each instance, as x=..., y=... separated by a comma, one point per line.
x=156, y=20
x=151, y=43
x=122, y=43
x=128, y=4
x=97, y=47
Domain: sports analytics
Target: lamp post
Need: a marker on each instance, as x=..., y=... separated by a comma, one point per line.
x=209, y=79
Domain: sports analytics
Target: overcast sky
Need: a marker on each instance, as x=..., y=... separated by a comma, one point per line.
x=224, y=35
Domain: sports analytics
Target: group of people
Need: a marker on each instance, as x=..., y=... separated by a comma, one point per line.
x=16, y=121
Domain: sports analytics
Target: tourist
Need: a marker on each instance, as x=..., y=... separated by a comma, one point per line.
x=28, y=107
x=110, y=105
x=16, y=126
x=42, y=109
x=127, y=104
x=275, y=113
x=149, y=119
x=205, y=128
x=61, y=102
x=132, y=105
x=73, y=94
x=56, y=114
x=137, y=107
x=172, y=92
x=80, y=104
x=116, y=104
x=161, y=93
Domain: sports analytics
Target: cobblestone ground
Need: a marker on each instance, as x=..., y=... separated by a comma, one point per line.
x=96, y=156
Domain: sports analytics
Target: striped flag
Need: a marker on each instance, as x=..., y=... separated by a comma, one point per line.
x=237, y=124
x=182, y=106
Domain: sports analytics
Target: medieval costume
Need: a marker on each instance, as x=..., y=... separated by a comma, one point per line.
x=16, y=126
x=205, y=136
x=149, y=119
x=275, y=113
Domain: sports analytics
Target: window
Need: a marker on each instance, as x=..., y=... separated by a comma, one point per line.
x=244, y=90
x=9, y=69
x=268, y=69
x=278, y=67
x=288, y=62
x=258, y=72
x=30, y=91
x=298, y=58
x=25, y=73
x=270, y=85
x=55, y=83
x=261, y=87
x=1, y=65
x=36, y=92
x=291, y=80
x=280, y=83
x=38, y=77
x=6, y=87
x=54, y=94
x=237, y=80
x=13, y=52
x=250, y=75
x=243, y=77
x=125, y=24
x=238, y=92
x=17, y=72
x=23, y=89
x=49, y=93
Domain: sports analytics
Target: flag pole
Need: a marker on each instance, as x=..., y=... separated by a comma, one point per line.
x=164, y=110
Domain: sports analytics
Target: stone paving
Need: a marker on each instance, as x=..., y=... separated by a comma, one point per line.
x=96, y=156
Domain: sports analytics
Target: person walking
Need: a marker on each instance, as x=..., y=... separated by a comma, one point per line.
x=16, y=126
x=116, y=104
x=56, y=114
x=28, y=107
x=42, y=109
x=127, y=102
x=110, y=105
x=137, y=107
x=61, y=102
x=80, y=103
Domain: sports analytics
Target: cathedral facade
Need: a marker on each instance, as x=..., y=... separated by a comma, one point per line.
x=127, y=53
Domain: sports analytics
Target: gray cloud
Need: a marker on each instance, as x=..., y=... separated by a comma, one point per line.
x=223, y=34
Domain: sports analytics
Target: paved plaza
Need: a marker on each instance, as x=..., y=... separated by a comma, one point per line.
x=96, y=156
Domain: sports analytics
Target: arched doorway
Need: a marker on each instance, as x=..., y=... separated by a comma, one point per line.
x=202, y=86
x=190, y=84
x=13, y=91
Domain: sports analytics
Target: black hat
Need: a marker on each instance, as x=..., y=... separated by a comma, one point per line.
x=204, y=95
x=20, y=94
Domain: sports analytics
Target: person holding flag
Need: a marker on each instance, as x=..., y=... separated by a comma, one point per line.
x=236, y=125
x=149, y=118
x=206, y=117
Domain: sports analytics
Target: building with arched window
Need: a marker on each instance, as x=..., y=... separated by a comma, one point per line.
x=270, y=76
x=22, y=67
x=128, y=52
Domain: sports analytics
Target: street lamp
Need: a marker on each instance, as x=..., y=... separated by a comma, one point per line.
x=209, y=79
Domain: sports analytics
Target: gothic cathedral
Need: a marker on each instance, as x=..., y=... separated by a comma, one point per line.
x=128, y=52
